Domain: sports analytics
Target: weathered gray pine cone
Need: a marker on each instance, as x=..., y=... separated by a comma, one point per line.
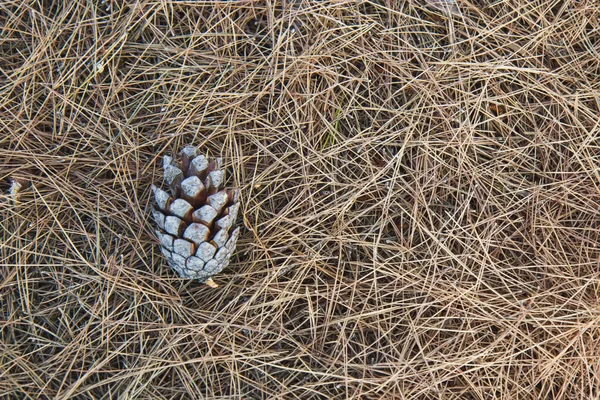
x=196, y=220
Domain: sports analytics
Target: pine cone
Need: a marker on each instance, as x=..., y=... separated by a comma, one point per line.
x=196, y=220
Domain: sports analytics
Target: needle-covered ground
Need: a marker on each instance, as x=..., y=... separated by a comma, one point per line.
x=420, y=188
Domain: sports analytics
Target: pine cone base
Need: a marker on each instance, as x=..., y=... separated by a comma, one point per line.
x=196, y=218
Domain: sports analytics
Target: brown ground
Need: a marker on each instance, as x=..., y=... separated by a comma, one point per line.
x=421, y=195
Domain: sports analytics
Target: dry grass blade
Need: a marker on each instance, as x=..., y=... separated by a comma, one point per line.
x=420, y=191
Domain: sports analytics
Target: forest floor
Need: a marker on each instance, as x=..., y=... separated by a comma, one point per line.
x=420, y=188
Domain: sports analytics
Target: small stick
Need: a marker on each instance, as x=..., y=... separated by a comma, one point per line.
x=211, y=283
